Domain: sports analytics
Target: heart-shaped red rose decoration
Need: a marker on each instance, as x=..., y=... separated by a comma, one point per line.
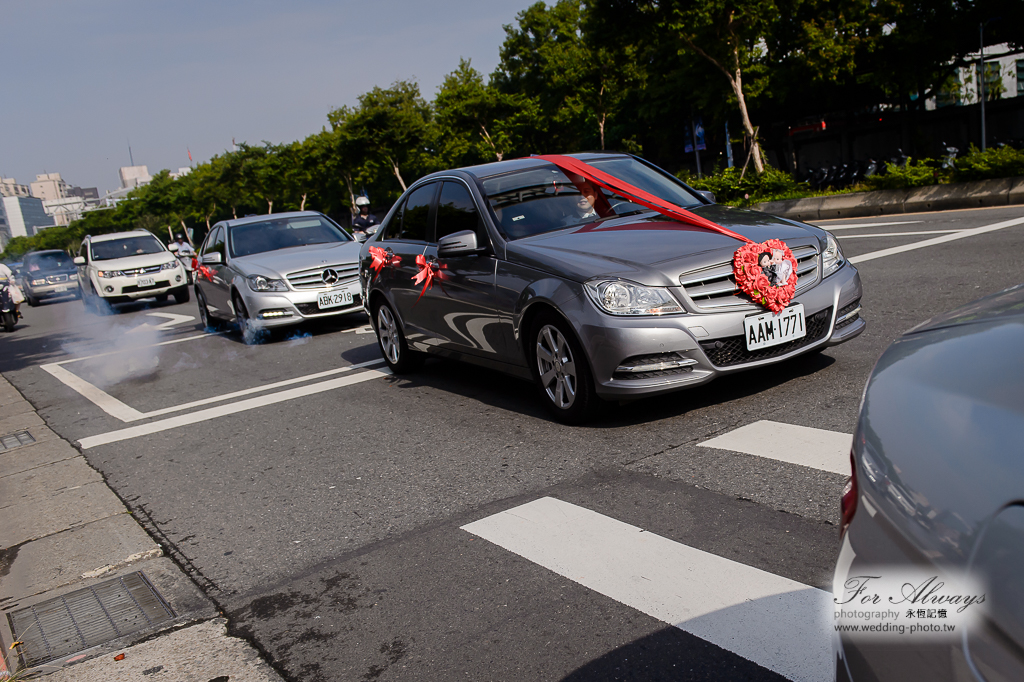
x=766, y=273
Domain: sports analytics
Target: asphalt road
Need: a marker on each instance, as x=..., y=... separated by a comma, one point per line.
x=324, y=512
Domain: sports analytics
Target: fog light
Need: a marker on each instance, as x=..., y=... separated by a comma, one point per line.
x=270, y=314
x=109, y=289
x=178, y=278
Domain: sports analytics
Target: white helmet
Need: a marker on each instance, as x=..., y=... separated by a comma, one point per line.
x=362, y=201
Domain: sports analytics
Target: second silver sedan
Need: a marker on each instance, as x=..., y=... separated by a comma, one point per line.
x=276, y=270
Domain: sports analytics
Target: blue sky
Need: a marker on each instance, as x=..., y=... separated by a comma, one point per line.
x=81, y=79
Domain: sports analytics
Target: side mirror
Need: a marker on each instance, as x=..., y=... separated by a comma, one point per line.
x=710, y=196
x=212, y=258
x=373, y=229
x=457, y=244
x=360, y=236
x=79, y=260
x=172, y=247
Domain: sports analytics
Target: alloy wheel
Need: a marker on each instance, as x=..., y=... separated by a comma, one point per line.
x=556, y=367
x=387, y=332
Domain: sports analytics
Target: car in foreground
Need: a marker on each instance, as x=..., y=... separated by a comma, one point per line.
x=271, y=271
x=127, y=266
x=48, y=274
x=938, y=486
x=505, y=266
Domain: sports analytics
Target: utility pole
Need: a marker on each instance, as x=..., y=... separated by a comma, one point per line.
x=981, y=81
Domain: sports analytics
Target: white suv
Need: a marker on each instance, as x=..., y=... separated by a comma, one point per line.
x=125, y=266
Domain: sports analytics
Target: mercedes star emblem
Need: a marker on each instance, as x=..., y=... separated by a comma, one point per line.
x=329, y=276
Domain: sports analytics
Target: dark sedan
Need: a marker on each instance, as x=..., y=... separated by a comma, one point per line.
x=937, y=490
x=48, y=274
x=519, y=267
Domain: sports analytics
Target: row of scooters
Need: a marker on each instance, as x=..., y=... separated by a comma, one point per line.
x=838, y=176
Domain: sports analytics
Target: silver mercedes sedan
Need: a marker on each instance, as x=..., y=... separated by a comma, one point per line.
x=271, y=271
x=522, y=267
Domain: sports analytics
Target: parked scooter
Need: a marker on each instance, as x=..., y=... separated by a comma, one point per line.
x=8, y=308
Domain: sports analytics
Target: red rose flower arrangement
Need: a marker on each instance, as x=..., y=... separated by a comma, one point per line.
x=757, y=265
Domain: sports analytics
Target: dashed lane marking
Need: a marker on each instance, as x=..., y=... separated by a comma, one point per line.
x=803, y=445
x=894, y=234
x=777, y=623
x=830, y=228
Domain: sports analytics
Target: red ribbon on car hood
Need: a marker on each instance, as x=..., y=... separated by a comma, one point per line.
x=635, y=194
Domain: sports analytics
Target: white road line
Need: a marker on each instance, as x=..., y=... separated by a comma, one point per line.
x=962, y=234
x=107, y=402
x=258, y=389
x=815, y=448
x=832, y=228
x=223, y=410
x=777, y=623
x=895, y=234
x=122, y=350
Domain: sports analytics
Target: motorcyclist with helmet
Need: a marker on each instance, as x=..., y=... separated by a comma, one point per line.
x=364, y=220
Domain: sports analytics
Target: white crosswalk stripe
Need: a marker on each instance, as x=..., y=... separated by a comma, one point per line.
x=803, y=445
x=778, y=623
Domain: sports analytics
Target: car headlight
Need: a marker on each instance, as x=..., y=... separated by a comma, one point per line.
x=619, y=297
x=107, y=274
x=832, y=259
x=73, y=276
x=169, y=266
x=261, y=283
x=37, y=282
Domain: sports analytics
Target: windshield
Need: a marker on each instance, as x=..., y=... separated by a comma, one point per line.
x=39, y=262
x=123, y=248
x=544, y=199
x=283, y=233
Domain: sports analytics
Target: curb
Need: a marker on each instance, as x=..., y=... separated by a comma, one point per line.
x=982, y=193
x=66, y=533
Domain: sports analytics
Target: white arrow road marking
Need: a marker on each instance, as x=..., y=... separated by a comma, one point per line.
x=815, y=448
x=777, y=623
x=173, y=321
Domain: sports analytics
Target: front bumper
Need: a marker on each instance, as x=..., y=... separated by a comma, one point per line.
x=120, y=289
x=66, y=287
x=271, y=309
x=691, y=349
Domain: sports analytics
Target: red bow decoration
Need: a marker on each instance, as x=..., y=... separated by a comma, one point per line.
x=381, y=259
x=429, y=271
x=750, y=277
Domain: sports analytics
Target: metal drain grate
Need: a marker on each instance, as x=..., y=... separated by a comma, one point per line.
x=85, y=618
x=14, y=440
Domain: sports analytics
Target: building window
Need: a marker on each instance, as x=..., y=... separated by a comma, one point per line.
x=1020, y=76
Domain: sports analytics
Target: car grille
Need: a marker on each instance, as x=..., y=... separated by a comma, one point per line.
x=56, y=279
x=314, y=309
x=732, y=350
x=134, y=287
x=142, y=271
x=840, y=322
x=314, y=277
x=714, y=287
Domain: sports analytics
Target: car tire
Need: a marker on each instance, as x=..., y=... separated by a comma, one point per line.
x=181, y=295
x=161, y=298
x=208, y=320
x=32, y=302
x=392, y=343
x=250, y=335
x=562, y=371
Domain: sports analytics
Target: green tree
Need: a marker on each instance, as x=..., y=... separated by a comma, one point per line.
x=478, y=123
x=393, y=124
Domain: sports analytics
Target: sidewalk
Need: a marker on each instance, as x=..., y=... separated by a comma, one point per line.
x=83, y=587
x=1001, y=192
